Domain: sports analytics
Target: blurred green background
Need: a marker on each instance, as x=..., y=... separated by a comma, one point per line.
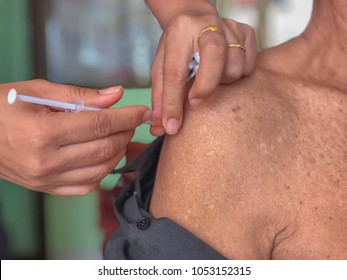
x=46, y=226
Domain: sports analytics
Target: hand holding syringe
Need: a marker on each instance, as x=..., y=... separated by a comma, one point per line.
x=75, y=106
x=48, y=150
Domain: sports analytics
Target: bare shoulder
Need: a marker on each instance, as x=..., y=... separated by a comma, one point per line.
x=238, y=174
x=221, y=162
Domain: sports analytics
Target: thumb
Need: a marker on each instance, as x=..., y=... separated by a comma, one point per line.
x=103, y=98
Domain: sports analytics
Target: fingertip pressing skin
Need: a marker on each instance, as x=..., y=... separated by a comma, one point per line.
x=172, y=126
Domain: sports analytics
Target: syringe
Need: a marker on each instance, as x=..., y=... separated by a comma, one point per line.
x=74, y=106
x=193, y=65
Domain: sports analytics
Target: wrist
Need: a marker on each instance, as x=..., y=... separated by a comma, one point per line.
x=202, y=13
x=167, y=11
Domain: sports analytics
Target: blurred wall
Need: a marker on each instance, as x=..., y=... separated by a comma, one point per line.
x=18, y=206
x=15, y=47
x=70, y=224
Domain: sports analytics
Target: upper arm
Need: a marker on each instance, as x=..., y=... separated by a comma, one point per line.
x=212, y=176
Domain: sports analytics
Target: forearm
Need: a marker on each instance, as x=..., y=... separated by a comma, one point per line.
x=166, y=11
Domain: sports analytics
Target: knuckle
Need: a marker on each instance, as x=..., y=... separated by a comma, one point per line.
x=248, y=30
x=215, y=47
x=171, y=105
x=241, y=30
x=38, y=167
x=106, y=149
x=180, y=23
x=78, y=92
x=236, y=25
x=101, y=125
x=38, y=136
x=174, y=76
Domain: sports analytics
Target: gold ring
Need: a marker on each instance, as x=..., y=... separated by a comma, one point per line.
x=210, y=28
x=242, y=47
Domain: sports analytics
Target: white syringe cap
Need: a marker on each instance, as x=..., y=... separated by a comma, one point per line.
x=12, y=96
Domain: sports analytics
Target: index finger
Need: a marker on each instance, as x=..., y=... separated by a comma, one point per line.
x=175, y=75
x=72, y=128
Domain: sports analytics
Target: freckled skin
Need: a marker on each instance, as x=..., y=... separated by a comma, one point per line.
x=266, y=191
x=278, y=169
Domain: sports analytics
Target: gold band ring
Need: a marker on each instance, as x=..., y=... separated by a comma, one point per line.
x=242, y=47
x=210, y=28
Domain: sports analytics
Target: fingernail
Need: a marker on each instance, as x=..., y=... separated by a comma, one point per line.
x=110, y=90
x=196, y=102
x=172, y=126
x=147, y=115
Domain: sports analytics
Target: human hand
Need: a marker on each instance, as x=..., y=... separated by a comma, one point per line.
x=219, y=64
x=63, y=153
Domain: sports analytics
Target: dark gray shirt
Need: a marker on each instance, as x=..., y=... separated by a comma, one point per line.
x=141, y=236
